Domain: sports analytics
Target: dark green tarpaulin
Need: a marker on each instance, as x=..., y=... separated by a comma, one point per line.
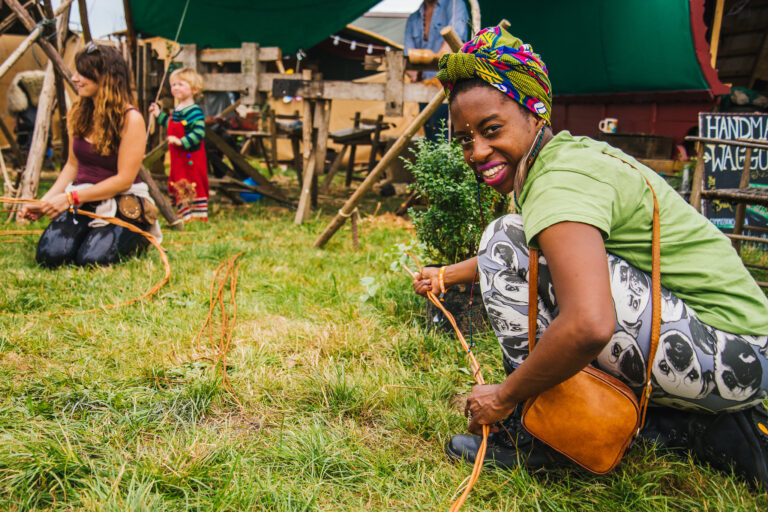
x=289, y=24
x=601, y=46
x=595, y=46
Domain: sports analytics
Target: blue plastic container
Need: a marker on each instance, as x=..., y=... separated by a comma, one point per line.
x=250, y=197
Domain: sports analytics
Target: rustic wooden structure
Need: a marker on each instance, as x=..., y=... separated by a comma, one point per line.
x=742, y=196
x=44, y=44
x=351, y=205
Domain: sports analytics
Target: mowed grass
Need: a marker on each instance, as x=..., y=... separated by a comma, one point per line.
x=341, y=404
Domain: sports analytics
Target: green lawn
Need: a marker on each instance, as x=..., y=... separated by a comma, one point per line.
x=346, y=400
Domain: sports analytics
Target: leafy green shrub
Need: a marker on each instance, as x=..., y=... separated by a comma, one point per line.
x=451, y=225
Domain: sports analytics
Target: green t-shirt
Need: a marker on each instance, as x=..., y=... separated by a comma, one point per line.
x=578, y=179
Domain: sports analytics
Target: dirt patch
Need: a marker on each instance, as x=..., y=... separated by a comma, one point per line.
x=388, y=220
x=12, y=360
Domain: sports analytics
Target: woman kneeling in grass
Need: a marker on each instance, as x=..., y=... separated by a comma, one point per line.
x=588, y=207
x=107, y=141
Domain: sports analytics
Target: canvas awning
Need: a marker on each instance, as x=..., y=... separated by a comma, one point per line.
x=590, y=47
x=289, y=24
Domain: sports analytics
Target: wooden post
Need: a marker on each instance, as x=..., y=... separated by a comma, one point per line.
x=302, y=213
x=19, y=51
x=697, y=182
x=390, y=155
x=741, y=208
x=129, y=25
x=355, y=238
x=250, y=68
x=273, y=136
x=393, y=95
x=352, y=151
x=714, y=42
x=188, y=58
x=84, y=25
x=31, y=177
x=322, y=117
x=333, y=170
x=162, y=202
x=298, y=160
x=62, y=26
x=375, y=141
x=47, y=47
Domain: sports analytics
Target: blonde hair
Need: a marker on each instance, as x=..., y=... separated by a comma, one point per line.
x=190, y=76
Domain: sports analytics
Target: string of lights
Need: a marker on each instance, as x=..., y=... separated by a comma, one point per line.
x=370, y=48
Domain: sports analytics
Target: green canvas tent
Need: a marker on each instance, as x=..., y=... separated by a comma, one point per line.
x=289, y=24
x=590, y=46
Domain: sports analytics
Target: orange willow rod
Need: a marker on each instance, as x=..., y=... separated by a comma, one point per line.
x=480, y=458
x=112, y=220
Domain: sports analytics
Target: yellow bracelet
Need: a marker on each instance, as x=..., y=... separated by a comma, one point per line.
x=441, y=278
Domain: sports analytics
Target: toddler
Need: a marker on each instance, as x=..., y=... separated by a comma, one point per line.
x=188, y=181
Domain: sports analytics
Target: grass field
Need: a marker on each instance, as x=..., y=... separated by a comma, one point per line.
x=342, y=399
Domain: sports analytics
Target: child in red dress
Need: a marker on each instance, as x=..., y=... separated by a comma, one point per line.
x=188, y=182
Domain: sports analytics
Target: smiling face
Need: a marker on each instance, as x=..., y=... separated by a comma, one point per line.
x=494, y=133
x=86, y=88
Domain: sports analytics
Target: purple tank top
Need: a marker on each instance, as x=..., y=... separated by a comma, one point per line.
x=91, y=166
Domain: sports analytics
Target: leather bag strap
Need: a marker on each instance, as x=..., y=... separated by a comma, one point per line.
x=533, y=300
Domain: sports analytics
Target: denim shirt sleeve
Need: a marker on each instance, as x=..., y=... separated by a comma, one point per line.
x=413, y=31
x=461, y=21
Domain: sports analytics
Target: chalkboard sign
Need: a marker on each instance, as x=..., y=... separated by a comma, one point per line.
x=723, y=164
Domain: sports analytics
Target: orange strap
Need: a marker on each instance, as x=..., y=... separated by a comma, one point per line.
x=533, y=300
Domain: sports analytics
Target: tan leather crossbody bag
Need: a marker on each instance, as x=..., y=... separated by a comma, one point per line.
x=592, y=417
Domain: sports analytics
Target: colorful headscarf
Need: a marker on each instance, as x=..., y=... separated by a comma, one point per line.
x=503, y=61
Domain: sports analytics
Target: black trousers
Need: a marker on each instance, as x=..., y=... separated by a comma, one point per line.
x=69, y=240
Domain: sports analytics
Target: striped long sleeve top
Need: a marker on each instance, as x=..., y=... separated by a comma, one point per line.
x=194, y=125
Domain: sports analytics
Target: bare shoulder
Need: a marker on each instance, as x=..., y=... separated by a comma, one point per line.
x=133, y=117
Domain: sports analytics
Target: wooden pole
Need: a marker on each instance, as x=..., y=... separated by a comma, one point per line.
x=129, y=25
x=84, y=25
x=309, y=159
x=353, y=224
x=47, y=47
x=390, y=155
x=19, y=51
x=62, y=26
x=162, y=202
x=31, y=176
x=474, y=9
x=333, y=170
x=155, y=154
x=697, y=182
x=323, y=117
x=741, y=208
x=11, y=18
x=455, y=43
x=714, y=42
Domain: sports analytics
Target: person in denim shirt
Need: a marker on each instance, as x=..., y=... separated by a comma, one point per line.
x=422, y=30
